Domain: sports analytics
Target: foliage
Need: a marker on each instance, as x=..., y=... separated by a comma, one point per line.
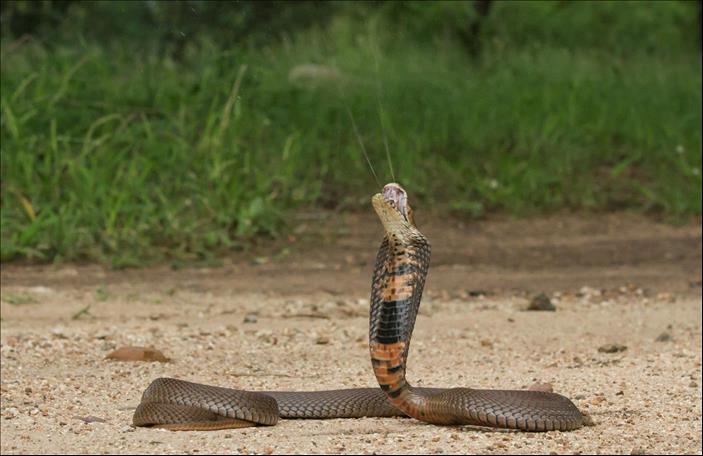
x=122, y=144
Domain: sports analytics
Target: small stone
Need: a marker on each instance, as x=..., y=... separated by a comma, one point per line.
x=544, y=387
x=91, y=419
x=251, y=318
x=41, y=290
x=541, y=302
x=486, y=343
x=638, y=450
x=693, y=384
x=663, y=337
x=137, y=354
x=612, y=348
x=322, y=340
x=598, y=400
x=59, y=332
x=588, y=419
x=12, y=341
x=102, y=335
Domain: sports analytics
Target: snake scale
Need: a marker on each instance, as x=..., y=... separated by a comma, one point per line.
x=399, y=276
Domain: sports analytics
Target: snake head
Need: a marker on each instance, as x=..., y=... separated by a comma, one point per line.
x=392, y=206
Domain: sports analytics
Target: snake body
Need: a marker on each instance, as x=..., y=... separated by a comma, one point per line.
x=399, y=275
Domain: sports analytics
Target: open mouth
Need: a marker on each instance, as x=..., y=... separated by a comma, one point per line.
x=396, y=196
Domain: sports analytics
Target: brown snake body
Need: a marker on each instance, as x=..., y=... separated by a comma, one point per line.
x=401, y=267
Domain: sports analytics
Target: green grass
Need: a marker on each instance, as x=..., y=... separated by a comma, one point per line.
x=121, y=156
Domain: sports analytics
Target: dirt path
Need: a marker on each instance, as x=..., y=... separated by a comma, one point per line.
x=614, y=279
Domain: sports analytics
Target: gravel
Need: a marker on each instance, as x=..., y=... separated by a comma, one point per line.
x=59, y=394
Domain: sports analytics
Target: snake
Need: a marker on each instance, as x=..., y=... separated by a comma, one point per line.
x=400, y=271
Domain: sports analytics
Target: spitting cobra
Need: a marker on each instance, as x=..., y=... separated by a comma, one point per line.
x=399, y=276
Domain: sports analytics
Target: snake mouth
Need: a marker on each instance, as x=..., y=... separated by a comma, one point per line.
x=395, y=195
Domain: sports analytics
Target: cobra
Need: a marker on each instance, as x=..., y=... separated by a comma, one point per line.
x=401, y=267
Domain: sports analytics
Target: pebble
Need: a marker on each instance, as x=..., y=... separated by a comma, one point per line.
x=251, y=318
x=102, y=335
x=59, y=332
x=612, y=348
x=91, y=419
x=544, y=387
x=41, y=290
x=663, y=337
x=541, y=302
x=322, y=340
x=137, y=354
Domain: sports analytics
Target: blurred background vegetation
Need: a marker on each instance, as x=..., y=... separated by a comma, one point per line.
x=139, y=131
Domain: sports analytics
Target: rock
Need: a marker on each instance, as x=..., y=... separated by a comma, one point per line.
x=59, y=332
x=251, y=318
x=588, y=419
x=41, y=290
x=541, y=302
x=102, y=335
x=137, y=354
x=91, y=419
x=322, y=340
x=476, y=293
x=544, y=387
x=663, y=337
x=612, y=348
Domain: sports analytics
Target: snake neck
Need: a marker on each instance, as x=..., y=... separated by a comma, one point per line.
x=399, y=277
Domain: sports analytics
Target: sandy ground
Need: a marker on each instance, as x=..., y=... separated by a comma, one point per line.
x=616, y=279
